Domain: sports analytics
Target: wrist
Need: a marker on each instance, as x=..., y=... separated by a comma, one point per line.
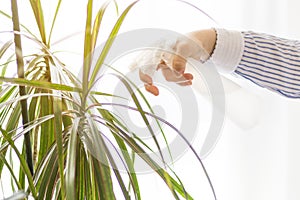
x=229, y=47
x=206, y=38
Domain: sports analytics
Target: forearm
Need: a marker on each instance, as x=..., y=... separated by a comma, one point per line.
x=271, y=62
x=268, y=61
x=224, y=47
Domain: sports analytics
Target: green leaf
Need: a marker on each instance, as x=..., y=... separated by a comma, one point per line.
x=28, y=128
x=24, y=27
x=11, y=171
x=115, y=167
x=97, y=23
x=63, y=112
x=160, y=171
x=81, y=176
x=110, y=119
x=53, y=21
x=101, y=166
x=5, y=47
x=142, y=113
x=108, y=44
x=71, y=161
x=57, y=109
x=46, y=136
x=40, y=84
x=7, y=93
x=39, y=17
x=129, y=163
x=46, y=174
x=21, y=172
x=87, y=51
x=23, y=163
x=127, y=83
x=22, y=89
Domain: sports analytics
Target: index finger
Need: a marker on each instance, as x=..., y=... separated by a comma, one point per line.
x=145, y=77
x=148, y=83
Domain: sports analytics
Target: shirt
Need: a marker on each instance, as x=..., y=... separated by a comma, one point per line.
x=266, y=60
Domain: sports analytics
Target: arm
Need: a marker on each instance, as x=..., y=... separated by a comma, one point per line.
x=268, y=61
x=199, y=46
x=271, y=62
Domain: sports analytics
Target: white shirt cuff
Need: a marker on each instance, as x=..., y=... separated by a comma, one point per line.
x=228, y=50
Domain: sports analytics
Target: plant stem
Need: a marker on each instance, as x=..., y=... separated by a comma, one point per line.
x=22, y=89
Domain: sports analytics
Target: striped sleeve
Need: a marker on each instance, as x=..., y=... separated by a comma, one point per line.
x=271, y=62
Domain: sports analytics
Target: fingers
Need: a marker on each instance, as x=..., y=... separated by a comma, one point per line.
x=188, y=79
x=148, y=83
x=145, y=78
x=172, y=66
x=170, y=75
x=152, y=89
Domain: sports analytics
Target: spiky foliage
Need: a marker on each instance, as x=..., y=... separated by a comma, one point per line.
x=61, y=125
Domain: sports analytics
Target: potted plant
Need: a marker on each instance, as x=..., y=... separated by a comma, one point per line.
x=57, y=120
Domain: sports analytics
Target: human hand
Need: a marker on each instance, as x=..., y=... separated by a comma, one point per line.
x=170, y=58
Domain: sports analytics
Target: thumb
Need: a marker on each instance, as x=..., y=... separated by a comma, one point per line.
x=179, y=63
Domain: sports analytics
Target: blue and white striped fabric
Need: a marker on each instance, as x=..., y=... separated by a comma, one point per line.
x=271, y=62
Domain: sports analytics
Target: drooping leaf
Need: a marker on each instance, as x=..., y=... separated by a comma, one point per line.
x=23, y=163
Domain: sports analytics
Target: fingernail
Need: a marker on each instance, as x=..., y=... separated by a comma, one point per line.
x=152, y=89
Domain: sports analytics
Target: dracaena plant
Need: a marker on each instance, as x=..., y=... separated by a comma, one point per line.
x=52, y=124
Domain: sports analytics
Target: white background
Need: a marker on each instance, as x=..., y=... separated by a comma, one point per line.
x=257, y=157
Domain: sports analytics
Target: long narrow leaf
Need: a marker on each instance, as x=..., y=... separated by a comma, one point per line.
x=10, y=169
x=179, y=133
x=103, y=175
x=171, y=183
x=71, y=162
x=124, y=80
x=40, y=84
x=46, y=179
x=22, y=90
x=39, y=17
x=28, y=128
x=97, y=23
x=5, y=47
x=58, y=132
x=129, y=162
x=22, y=162
x=141, y=111
x=81, y=177
x=53, y=22
x=22, y=175
x=108, y=44
x=24, y=27
x=87, y=56
x=114, y=166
